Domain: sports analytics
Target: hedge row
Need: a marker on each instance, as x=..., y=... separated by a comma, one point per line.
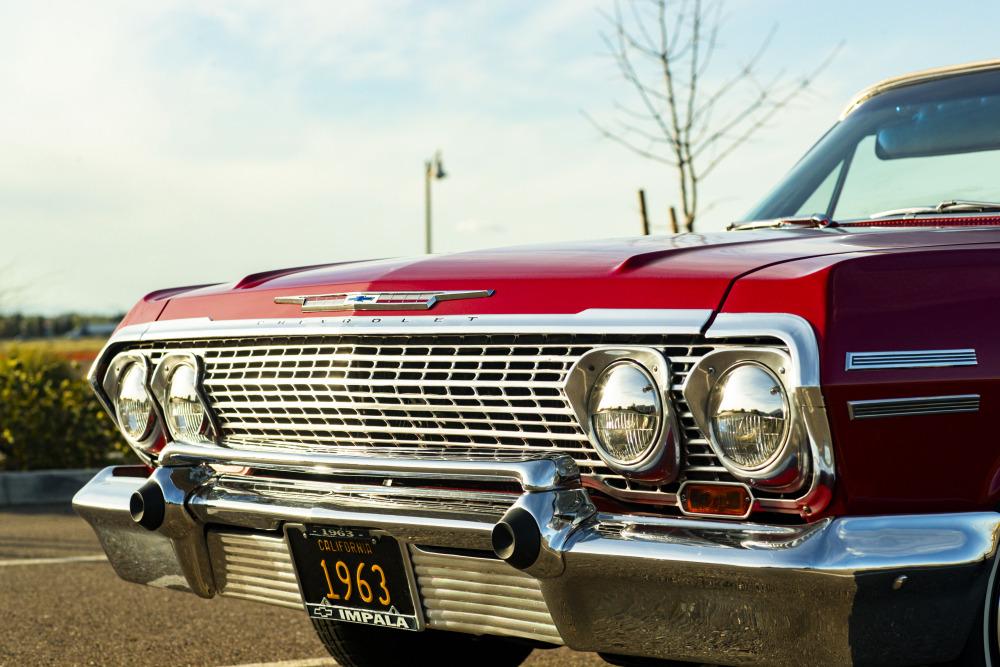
x=49, y=417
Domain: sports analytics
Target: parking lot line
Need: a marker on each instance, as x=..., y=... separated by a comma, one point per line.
x=52, y=561
x=310, y=662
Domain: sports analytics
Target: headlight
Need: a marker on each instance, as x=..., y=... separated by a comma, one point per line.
x=126, y=387
x=177, y=384
x=626, y=411
x=186, y=417
x=742, y=402
x=619, y=396
x=133, y=405
x=749, y=414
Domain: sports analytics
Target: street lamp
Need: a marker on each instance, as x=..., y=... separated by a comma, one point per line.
x=433, y=169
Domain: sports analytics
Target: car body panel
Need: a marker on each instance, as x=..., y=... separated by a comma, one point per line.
x=889, y=302
x=864, y=290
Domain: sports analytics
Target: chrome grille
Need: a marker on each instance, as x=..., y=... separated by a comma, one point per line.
x=489, y=395
x=482, y=596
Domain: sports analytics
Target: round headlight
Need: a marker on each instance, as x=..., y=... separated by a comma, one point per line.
x=626, y=412
x=186, y=416
x=748, y=409
x=133, y=406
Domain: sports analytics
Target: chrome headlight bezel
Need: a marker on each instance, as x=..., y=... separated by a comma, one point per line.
x=660, y=463
x=161, y=386
x=111, y=384
x=786, y=469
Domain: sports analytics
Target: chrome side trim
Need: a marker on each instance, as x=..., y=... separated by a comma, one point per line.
x=543, y=474
x=903, y=407
x=802, y=380
x=861, y=361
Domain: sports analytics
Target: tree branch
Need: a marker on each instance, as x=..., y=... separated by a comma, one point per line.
x=675, y=122
x=607, y=134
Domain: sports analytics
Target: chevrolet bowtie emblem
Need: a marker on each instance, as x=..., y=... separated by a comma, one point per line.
x=315, y=303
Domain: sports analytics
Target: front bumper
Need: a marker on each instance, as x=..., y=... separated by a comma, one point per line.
x=866, y=590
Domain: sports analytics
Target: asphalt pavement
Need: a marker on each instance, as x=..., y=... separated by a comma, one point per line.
x=62, y=604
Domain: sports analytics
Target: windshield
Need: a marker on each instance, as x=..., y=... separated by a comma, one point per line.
x=910, y=148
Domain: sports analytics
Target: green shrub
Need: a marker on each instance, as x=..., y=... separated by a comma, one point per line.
x=49, y=417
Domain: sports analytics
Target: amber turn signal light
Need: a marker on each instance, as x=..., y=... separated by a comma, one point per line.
x=716, y=499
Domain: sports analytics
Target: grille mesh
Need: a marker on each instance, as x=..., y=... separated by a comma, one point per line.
x=489, y=395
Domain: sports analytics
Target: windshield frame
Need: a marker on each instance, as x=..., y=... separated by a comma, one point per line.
x=837, y=147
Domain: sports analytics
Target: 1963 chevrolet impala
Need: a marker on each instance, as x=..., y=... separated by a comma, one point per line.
x=774, y=445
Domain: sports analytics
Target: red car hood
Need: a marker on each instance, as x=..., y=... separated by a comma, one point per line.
x=685, y=271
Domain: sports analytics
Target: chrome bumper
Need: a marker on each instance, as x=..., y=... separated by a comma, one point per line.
x=868, y=590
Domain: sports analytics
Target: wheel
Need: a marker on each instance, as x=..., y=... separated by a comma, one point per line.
x=983, y=646
x=355, y=645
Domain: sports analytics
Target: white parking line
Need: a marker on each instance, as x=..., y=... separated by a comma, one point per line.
x=52, y=561
x=311, y=662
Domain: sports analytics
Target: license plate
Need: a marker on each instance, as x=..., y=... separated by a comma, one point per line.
x=353, y=575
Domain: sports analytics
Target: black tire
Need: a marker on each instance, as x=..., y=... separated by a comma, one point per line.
x=982, y=649
x=355, y=645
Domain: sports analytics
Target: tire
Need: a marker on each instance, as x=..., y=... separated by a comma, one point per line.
x=355, y=645
x=982, y=649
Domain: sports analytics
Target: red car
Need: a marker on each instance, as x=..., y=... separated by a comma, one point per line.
x=770, y=446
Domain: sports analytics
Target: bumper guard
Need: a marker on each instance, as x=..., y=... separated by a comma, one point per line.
x=863, y=590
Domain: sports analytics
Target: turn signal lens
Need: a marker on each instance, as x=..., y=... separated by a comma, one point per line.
x=716, y=499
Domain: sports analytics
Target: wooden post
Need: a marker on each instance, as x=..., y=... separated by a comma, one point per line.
x=642, y=212
x=428, y=171
x=673, y=220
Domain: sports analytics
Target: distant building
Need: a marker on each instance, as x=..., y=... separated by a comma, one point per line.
x=92, y=330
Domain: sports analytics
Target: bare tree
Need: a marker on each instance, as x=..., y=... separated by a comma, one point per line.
x=664, y=53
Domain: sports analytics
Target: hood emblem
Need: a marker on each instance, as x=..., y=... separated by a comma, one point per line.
x=315, y=303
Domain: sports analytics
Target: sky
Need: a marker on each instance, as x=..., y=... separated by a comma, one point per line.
x=145, y=145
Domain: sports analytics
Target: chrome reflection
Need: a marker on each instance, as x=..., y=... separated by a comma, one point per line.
x=749, y=414
x=627, y=411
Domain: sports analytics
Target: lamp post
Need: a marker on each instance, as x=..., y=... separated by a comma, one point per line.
x=433, y=169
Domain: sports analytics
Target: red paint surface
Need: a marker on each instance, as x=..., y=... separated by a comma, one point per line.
x=687, y=271
x=922, y=299
x=871, y=290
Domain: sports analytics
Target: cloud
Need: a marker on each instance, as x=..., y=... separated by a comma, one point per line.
x=145, y=145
